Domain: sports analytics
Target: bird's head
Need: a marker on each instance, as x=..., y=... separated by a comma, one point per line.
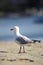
x=15, y=28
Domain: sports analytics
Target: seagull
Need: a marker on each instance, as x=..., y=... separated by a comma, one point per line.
x=21, y=39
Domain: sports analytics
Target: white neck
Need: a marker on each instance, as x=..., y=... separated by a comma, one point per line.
x=17, y=33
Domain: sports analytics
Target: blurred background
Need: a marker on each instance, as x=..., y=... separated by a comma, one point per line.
x=27, y=14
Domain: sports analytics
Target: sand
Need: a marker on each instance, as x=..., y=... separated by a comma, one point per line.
x=9, y=54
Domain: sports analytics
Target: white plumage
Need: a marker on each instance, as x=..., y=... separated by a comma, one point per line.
x=21, y=38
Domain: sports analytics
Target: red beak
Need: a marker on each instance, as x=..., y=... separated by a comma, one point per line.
x=11, y=29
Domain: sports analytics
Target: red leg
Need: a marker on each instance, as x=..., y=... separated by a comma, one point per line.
x=20, y=49
x=23, y=49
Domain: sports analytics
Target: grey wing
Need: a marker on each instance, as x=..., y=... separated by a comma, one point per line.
x=21, y=40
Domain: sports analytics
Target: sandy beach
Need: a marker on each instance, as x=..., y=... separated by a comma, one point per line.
x=9, y=54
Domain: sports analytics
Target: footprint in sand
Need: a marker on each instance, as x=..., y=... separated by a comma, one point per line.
x=41, y=54
x=11, y=60
x=3, y=52
x=2, y=59
x=27, y=60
